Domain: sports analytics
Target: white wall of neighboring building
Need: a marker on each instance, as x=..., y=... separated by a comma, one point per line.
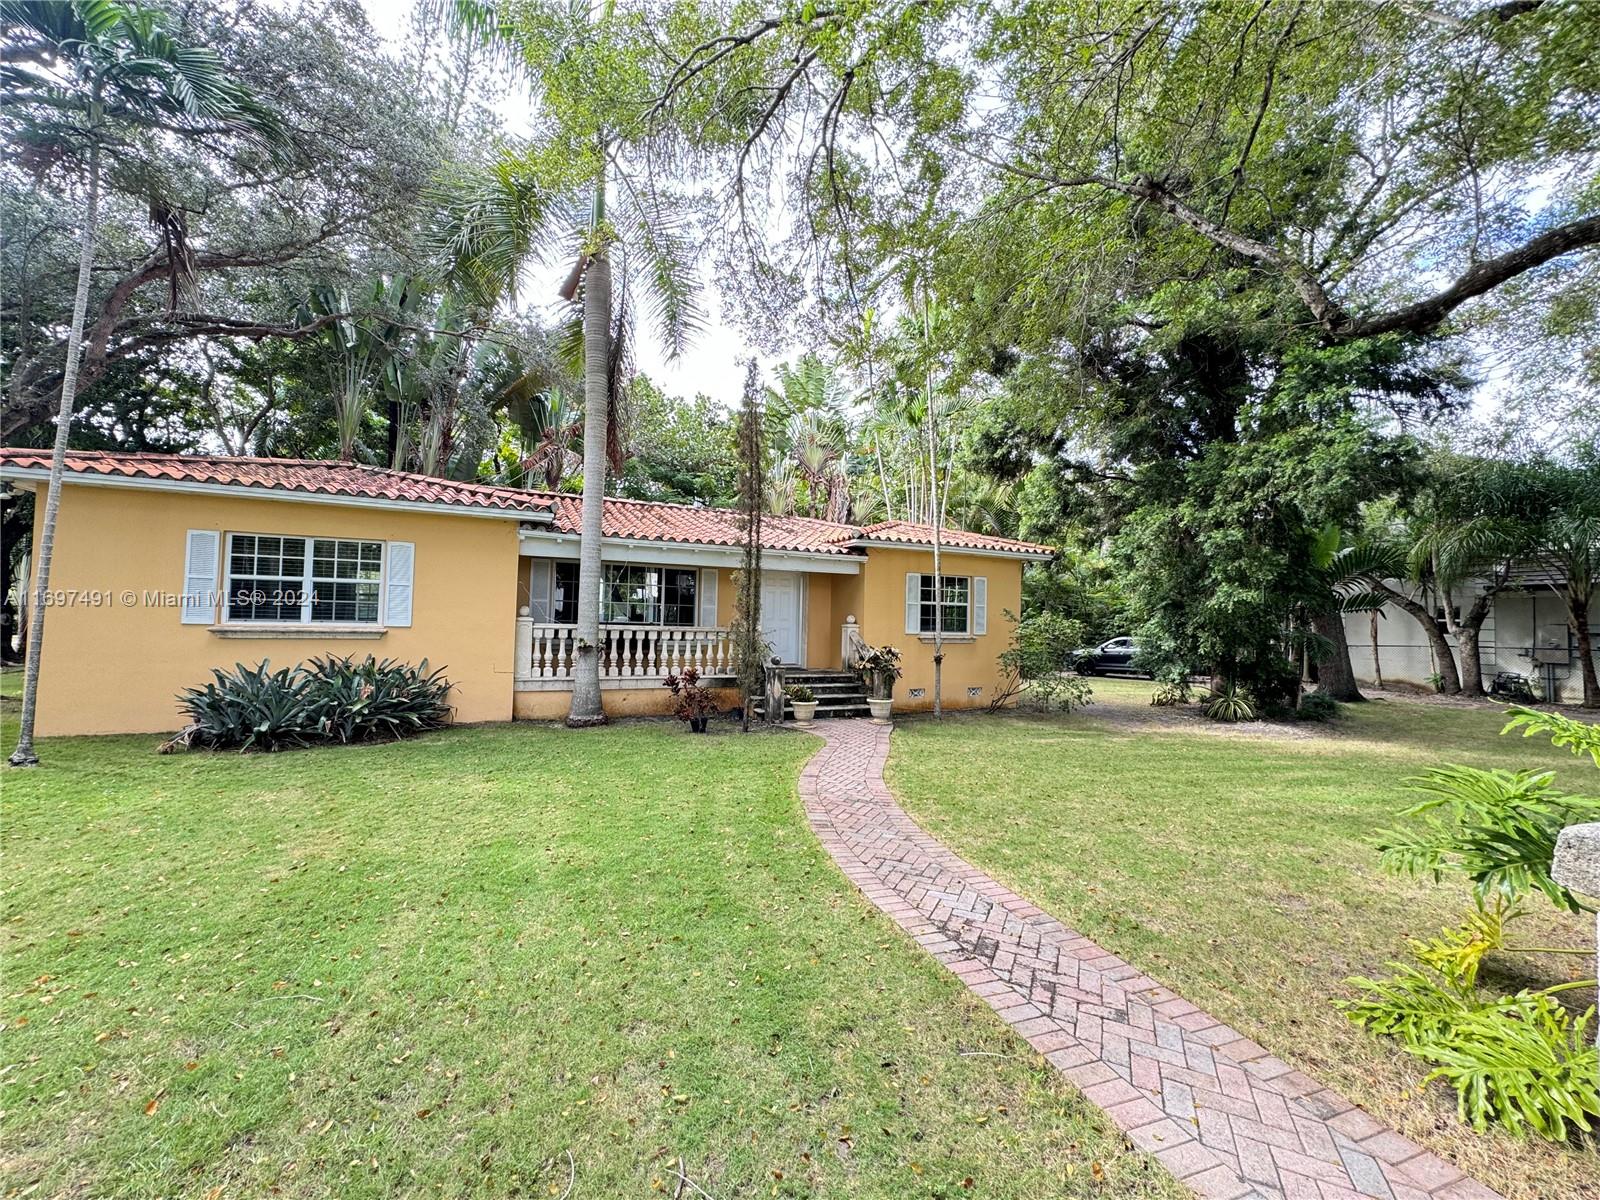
x=1517, y=623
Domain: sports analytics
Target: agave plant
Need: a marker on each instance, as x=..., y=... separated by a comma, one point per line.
x=330, y=699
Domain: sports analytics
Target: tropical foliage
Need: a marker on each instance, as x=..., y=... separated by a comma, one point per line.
x=330, y=699
x=1035, y=665
x=1522, y=1060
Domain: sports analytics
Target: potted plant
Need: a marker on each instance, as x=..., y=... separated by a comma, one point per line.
x=879, y=667
x=804, y=702
x=695, y=704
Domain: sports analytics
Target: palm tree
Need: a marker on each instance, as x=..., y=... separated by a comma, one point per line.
x=806, y=425
x=517, y=210
x=1342, y=581
x=919, y=351
x=80, y=71
x=1458, y=550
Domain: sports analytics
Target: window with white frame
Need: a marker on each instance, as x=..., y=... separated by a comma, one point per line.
x=957, y=601
x=649, y=596
x=303, y=580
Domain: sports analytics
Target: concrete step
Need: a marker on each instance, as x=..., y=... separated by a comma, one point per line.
x=830, y=687
x=825, y=710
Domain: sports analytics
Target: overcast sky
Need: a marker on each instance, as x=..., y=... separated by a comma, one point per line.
x=713, y=364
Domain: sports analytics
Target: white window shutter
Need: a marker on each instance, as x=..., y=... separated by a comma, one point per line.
x=539, y=573
x=708, y=598
x=401, y=564
x=980, y=605
x=200, y=559
x=913, y=602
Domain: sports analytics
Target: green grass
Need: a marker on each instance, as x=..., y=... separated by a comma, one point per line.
x=442, y=967
x=1236, y=867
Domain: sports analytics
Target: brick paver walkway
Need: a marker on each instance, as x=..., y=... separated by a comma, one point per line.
x=1216, y=1109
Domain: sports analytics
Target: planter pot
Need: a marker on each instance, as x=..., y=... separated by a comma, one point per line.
x=698, y=724
x=805, y=711
x=880, y=710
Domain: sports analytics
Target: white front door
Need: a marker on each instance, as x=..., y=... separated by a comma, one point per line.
x=780, y=613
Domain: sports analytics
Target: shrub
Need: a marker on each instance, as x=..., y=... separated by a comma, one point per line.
x=251, y=708
x=1171, y=692
x=801, y=693
x=695, y=703
x=1040, y=652
x=328, y=700
x=1230, y=704
x=1318, y=706
x=370, y=699
x=879, y=667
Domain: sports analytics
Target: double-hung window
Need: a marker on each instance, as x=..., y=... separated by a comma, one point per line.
x=297, y=580
x=957, y=600
x=649, y=596
x=960, y=604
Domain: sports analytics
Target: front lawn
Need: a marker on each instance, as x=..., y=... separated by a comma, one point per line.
x=495, y=961
x=1231, y=863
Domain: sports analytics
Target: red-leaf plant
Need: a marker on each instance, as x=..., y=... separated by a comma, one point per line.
x=693, y=700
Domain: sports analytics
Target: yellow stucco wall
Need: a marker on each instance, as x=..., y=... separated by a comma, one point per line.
x=618, y=702
x=115, y=667
x=880, y=608
x=822, y=635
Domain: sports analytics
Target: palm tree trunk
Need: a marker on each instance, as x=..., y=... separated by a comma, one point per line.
x=24, y=755
x=1578, y=610
x=1336, y=678
x=1377, y=665
x=1444, y=658
x=938, y=572
x=883, y=479
x=587, y=707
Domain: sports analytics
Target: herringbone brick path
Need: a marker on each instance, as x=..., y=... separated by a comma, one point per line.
x=1216, y=1109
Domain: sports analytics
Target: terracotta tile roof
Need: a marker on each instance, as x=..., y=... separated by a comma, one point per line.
x=911, y=534
x=641, y=520
x=319, y=477
x=654, y=521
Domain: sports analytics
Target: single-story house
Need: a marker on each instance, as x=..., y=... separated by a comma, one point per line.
x=169, y=565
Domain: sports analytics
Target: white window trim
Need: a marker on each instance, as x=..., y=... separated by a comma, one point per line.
x=927, y=635
x=228, y=626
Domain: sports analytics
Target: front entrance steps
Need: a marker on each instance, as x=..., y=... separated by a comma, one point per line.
x=838, y=693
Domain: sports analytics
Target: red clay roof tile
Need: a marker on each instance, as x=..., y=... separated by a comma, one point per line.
x=642, y=520
x=314, y=476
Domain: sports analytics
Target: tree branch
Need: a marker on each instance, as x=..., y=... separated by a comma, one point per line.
x=1422, y=316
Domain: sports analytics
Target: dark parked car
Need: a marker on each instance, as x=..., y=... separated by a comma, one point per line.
x=1113, y=657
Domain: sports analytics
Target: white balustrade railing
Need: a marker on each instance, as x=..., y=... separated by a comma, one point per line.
x=644, y=652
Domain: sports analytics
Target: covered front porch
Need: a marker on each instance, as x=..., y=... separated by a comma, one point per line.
x=665, y=609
